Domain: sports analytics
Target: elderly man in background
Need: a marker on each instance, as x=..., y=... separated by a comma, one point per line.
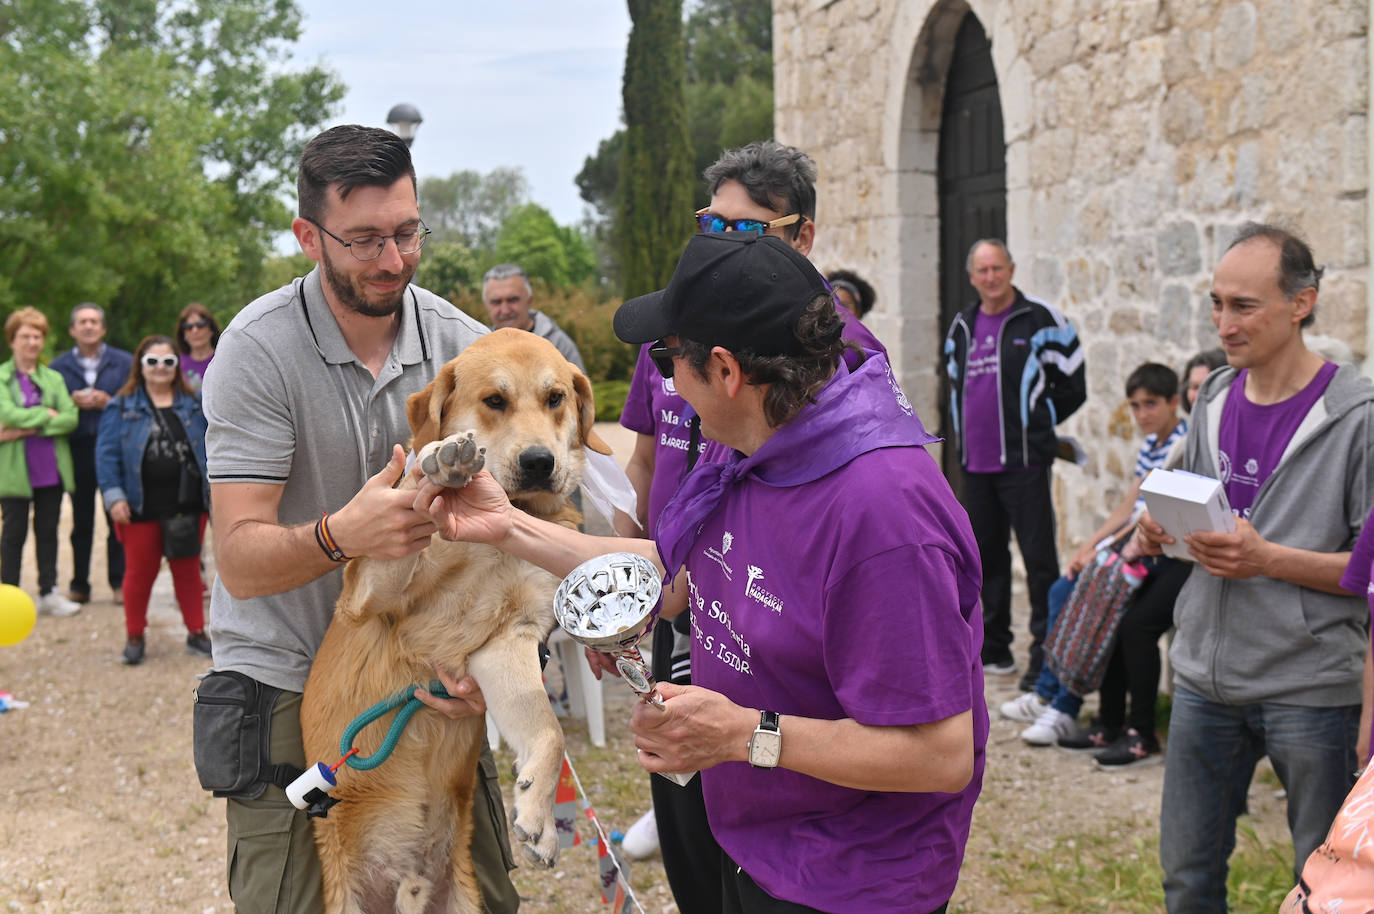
x=507, y=293
x=93, y=370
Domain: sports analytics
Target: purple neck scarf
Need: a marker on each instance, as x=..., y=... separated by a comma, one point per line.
x=860, y=409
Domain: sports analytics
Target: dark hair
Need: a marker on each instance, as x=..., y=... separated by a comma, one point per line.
x=196, y=309
x=793, y=379
x=864, y=296
x=781, y=178
x=348, y=157
x=1297, y=270
x=1154, y=378
x=1211, y=359
x=135, y=380
x=87, y=306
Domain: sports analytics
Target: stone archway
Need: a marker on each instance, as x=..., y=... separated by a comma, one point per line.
x=925, y=248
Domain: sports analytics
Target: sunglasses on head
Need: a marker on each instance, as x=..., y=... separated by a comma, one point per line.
x=166, y=361
x=195, y=324
x=708, y=222
x=662, y=357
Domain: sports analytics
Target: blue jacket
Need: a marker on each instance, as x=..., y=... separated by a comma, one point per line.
x=110, y=375
x=124, y=429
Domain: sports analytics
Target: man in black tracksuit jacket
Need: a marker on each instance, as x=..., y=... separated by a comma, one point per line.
x=1016, y=370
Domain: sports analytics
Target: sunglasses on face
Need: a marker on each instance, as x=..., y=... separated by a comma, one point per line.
x=662, y=357
x=195, y=325
x=708, y=222
x=166, y=361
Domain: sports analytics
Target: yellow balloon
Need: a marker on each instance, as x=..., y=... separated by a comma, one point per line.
x=17, y=615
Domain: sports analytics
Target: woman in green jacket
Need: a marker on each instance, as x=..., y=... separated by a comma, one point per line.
x=36, y=415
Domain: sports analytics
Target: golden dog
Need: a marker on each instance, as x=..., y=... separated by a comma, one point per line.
x=399, y=838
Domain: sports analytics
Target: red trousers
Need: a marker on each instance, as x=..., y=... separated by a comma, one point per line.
x=142, y=560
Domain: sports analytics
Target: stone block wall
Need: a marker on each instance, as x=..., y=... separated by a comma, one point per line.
x=1139, y=134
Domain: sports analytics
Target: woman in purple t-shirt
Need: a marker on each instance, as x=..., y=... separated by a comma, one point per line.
x=197, y=336
x=36, y=416
x=1359, y=579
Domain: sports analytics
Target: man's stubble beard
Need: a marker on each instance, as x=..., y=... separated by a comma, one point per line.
x=352, y=298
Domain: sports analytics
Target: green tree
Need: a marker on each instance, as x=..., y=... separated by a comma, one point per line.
x=143, y=147
x=729, y=97
x=655, y=189
x=470, y=207
x=447, y=268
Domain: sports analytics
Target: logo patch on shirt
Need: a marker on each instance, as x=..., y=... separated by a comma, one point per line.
x=897, y=391
x=668, y=387
x=755, y=592
x=718, y=555
x=1252, y=466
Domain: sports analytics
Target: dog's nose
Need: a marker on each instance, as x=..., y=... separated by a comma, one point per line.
x=536, y=463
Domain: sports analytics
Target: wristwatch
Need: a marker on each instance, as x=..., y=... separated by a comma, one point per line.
x=765, y=746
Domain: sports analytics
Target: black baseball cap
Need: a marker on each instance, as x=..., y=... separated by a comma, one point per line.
x=740, y=290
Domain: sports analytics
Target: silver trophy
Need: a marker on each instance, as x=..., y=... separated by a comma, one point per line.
x=607, y=604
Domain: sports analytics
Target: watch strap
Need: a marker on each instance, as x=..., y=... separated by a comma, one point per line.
x=769, y=720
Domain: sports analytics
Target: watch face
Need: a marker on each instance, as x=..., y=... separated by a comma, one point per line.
x=765, y=749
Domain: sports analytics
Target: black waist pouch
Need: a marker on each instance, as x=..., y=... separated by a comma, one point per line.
x=231, y=726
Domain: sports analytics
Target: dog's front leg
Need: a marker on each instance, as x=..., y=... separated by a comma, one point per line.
x=507, y=669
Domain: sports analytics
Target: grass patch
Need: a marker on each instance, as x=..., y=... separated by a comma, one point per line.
x=1089, y=873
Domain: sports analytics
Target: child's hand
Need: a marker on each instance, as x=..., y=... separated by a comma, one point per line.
x=1080, y=560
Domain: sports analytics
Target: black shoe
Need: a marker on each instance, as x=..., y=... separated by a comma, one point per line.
x=133, y=651
x=1028, y=680
x=1131, y=750
x=198, y=645
x=79, y=596
x=1094, y=739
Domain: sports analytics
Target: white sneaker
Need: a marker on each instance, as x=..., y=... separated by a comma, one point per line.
x=1048, y=727
x=1026, y=709
x=54, y=604
x=641, y=840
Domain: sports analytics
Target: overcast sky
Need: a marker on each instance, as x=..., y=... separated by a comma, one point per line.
x=527, y=83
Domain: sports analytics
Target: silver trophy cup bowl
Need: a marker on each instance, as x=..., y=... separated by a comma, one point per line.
x=607, y=604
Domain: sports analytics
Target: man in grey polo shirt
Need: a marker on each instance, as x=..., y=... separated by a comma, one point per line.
x=507, y=293
x=306, y=408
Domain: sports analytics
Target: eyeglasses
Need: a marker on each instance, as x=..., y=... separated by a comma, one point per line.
x=195, y=325
x=709, y=222
x=166, y=361
x=369, y=247
x=662, y=357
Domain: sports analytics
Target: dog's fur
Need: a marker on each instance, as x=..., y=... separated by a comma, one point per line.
x=399, y=838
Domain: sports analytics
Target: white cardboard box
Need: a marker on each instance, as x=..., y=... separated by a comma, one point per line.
x=1183, y=503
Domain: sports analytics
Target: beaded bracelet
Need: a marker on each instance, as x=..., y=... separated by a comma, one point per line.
x=326, y=540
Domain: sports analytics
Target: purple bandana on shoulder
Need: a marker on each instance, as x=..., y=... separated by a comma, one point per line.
x=860, y=409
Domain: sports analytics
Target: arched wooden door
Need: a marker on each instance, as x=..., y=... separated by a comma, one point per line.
x=973, y=186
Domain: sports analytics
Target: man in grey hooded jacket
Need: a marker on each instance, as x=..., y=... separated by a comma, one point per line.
x=1268, y=654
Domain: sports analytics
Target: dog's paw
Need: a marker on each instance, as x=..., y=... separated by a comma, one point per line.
x=535, y=829
x=453, y=461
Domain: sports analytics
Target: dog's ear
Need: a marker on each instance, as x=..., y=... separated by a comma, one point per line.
x=586, y=413
x=424, y=408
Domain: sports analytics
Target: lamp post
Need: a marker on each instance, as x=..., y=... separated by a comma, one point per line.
x=403, y=120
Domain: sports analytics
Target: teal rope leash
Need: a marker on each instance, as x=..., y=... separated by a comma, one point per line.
x=408, y=704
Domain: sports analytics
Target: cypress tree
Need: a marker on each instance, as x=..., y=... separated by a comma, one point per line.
x=656, y=169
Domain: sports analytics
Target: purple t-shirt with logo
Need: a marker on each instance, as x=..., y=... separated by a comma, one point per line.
x=654, y=408
x=851, y=596
x=1359, y=578
x=39, y=450
x=194, y=369
x=1252, y=437
x=982, y=417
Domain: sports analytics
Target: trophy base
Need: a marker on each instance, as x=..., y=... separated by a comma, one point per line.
x=680, y=778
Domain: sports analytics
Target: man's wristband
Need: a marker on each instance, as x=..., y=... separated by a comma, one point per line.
x=326, y=541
